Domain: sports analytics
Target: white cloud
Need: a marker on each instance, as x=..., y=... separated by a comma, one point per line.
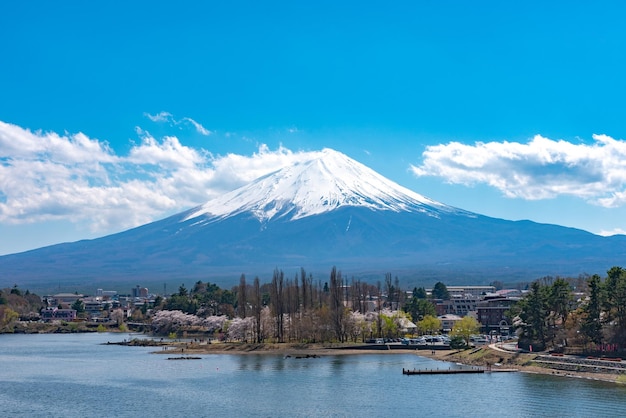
x=159, y=117
x=168, y=117
x=199, y=128
x=540, y=169
x=52, y=177
x=617, y=231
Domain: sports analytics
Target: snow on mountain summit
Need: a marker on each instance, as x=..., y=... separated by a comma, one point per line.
x=324, y=182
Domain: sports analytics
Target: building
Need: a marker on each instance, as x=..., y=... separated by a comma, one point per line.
x=448, y=321
x=474, y=292
x=93, y=307
x=457, y=306
x=56, y=314
x=140, y=292
x=106, y=294
x=492, y=314
x=63, y=299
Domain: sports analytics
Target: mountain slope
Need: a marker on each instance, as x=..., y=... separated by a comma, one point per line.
x=326, y=210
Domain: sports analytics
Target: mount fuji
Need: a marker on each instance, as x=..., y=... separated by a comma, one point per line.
x=328, y=210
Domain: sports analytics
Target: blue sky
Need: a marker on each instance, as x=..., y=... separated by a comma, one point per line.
x=114, y=114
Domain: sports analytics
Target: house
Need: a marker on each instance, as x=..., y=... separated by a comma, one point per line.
x=448, y=321
x=56, y=314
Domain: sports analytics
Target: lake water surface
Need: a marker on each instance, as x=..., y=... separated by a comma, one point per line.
x=74, y=375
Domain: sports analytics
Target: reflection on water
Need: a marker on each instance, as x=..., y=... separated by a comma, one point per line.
x=74, y=375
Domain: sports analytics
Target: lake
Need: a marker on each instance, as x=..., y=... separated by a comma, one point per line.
x=74, y=375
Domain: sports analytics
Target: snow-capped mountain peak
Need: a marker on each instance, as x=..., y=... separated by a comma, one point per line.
x=325, y=181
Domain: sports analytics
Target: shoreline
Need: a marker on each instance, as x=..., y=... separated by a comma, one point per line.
x=484, y=356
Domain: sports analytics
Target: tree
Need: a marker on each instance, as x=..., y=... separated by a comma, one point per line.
x=118, y=316
x=558, y=300
x=16, y=291
x=440, y=291
x=419, y=293
x=241, y=297
x=257, y=307
x=79, y=307
x=618, y=296
x=7, y=316
x=390, y=325
x=336, y=304
x=379, y=307
x=419, y=308
x=457, y=342
x=532, y=318
x=465, y=328
x=240, y=329
x=429, y=324
x=278, y=303
x=591, y=326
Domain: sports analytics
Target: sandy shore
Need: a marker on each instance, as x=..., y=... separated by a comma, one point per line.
x=485, y=356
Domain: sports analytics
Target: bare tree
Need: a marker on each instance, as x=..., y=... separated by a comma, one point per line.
x=257, y=307
x=336, y=303
x=379, y=306
x=304, y=288
x=278, y=303
x=242, y=301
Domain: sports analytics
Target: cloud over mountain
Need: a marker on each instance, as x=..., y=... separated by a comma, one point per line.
x=539, y=169
x=70, y=177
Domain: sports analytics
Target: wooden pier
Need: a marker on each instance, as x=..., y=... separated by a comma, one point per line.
x=184, y=358
x=441, y=371
x=455, y=371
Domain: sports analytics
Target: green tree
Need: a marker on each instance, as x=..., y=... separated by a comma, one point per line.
x=465, y=328
x=419, y=308
x=178, y=302
x=440, y=291
x=390, y=326
x=7, y=316
x=558, y=306
x=79, y=307
x=419, y=293
x=559, y=299
x=532, y=318
x=591, y=326
x=614, y=304
x=16, y=291
x=429, y=324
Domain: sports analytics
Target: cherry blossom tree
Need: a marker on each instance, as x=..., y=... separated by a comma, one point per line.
x=241, y=329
